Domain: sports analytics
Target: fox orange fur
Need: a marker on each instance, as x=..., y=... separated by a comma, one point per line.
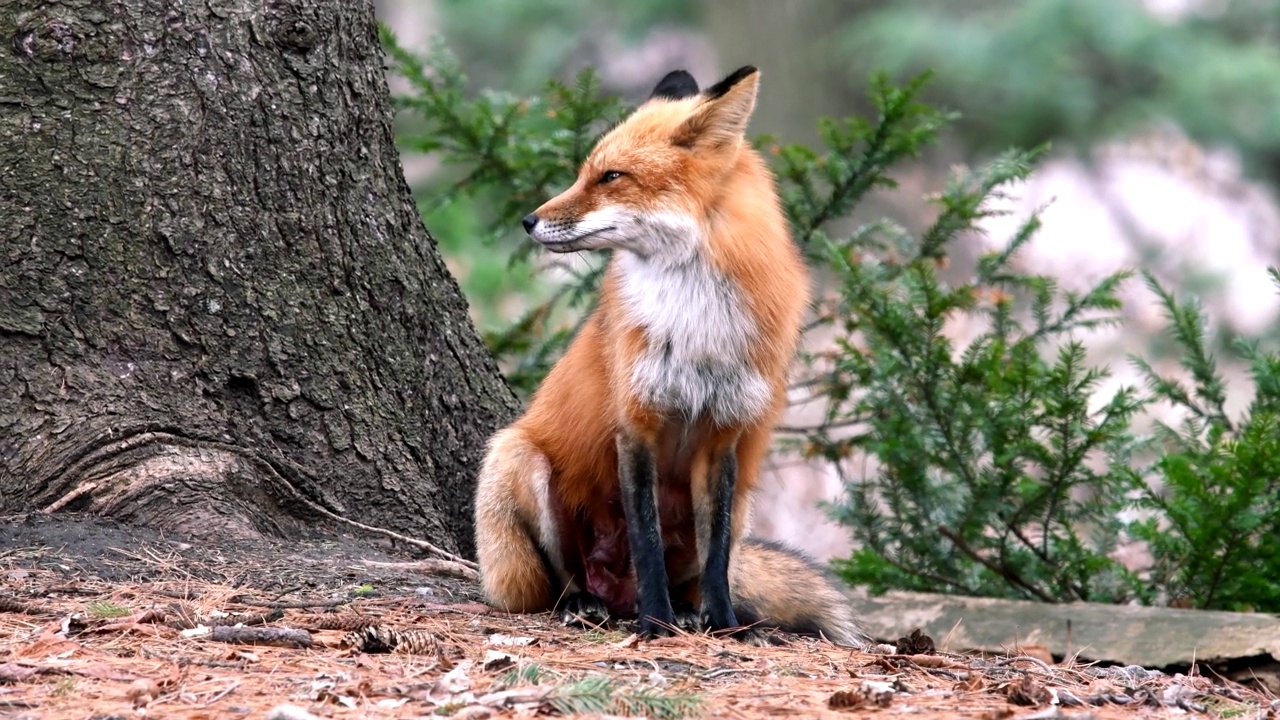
x=625, y=488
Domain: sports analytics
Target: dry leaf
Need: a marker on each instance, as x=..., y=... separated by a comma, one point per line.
x=661, y=641
x=14, y=673
x=1185, y=688
x=49, y=645
x=509, y=641
x=142, y=692
x=451, y=683
x=497, y=660
x=878, y=693
x=630, y=642
x=973, y=683
x=1039, y=652
x=1027, y=692
x=932, y=661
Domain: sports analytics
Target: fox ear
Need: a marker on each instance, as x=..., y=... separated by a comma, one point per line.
x=676, y=85
x=722, y=118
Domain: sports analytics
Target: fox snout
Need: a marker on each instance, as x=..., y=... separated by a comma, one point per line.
x=560, y=234
x=548, y=234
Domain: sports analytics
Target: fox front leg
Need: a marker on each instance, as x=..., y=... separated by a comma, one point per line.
x=714, y=517
x=638, y=475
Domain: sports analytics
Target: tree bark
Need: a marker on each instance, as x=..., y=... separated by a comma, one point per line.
x=218, y=305
x=793, y=42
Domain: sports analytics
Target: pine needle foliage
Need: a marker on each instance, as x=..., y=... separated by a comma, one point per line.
x=1213, y=520
x=990, y=457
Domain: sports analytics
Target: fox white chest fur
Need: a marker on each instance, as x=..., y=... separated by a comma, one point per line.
x=700, y=332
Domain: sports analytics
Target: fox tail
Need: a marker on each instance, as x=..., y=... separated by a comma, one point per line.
x=774, y=586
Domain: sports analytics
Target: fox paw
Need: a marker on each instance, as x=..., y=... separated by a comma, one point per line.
x=687, y=617
x=758, y=637
x=582, y=609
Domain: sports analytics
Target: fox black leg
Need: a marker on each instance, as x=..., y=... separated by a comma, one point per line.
x=638, y=473
x=717, y=608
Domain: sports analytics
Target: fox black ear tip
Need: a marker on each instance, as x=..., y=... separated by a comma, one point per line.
x=675, y=85
x=735, y=77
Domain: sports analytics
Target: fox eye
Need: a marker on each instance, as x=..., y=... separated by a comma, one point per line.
x=609, y=176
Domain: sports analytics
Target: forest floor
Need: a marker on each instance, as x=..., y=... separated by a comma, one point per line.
x=100, y=620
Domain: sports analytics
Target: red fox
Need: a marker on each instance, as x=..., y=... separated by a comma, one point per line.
x=625, y=487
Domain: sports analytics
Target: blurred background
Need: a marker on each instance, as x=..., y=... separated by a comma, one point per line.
x=1163, y=115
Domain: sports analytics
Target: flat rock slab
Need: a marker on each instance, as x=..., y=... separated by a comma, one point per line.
x=1146, y=636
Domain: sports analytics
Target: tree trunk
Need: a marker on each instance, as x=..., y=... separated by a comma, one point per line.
x=218, y=305
x=793, y=42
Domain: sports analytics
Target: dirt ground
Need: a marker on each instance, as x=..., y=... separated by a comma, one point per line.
x=100, y=620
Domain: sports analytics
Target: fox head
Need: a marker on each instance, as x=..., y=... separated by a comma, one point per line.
x=651, y=183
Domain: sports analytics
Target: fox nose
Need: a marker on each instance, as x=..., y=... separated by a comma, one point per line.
x=530, y=221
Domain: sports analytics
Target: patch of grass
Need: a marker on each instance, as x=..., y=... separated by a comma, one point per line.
x=106, y=609
x=1225, y=708
x=595, y=636
x=449, y=708
x=363, y=590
